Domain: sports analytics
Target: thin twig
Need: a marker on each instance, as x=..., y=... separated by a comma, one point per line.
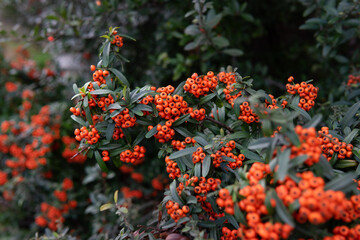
x=219, y=123
x=82, y=150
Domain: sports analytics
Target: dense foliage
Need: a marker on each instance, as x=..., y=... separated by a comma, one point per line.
x=210, y=156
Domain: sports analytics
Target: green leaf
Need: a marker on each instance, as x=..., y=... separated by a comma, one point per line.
x=351, y=136
x=187, y=160
x=191, y=46
x=174, y=194
x=314, y=121
x=184, y=152
x=341, y=182
x=100, y=161
x=151, y=133
x=239, y=216
x=201, y=141
x=126, y=36
x=75, y=88
x=260, y=143
x=79, y=120
x=233, y=52
x=206, y=165
x=106, y=206
x=221, y=41
x=197, y=170
x=297, y=161
x=109, y=131
x=237, y=135
x=121, y=76
x=106, y=53
x=207, y=98
x=347, y=120
x=101, y=91
x=212, y=19
x=183, y=131
x=281, y=210
x=181, y=120
x=251, y=155
x=301, y=111
x=139, y=138
x=232, y=220
x=294, y=138
x=283, y=159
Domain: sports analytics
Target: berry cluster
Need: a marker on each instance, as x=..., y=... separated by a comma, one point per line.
x=90, y=135
x=118, y=133
x=225, y=201
x=75, y=111
x=198, y=114
x=123, y=119
x=331, y=145
x=201, y=85
x=128, y=193
x=98, y=76
x=246, y=113
x=353, y=80
x=198, y=155
x=102, y=102
x=71, y=150
x=257, y=172
x=344, y=232
x=172, y=168
x=116, y=39
x=226, y=151
x=165, y=133
x=174, y=210
x=229, y=79
x=168, y=106
x=318, y=205
x=201, y=186
x=180, y=145
x=105, y=155
x=271, y=105
x=135, y=157
x=310, y=145
x=307, y=93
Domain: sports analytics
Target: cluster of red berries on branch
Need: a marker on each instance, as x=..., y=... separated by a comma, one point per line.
x=201, y=85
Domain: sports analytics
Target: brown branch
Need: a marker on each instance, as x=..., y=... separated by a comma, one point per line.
x=219, y=123
x=82, y=150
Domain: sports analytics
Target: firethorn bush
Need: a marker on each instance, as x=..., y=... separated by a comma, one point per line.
x=163, y=139
x=243, y=163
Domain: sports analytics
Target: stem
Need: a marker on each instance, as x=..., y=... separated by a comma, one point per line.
x=82, y=150
x=219, y=123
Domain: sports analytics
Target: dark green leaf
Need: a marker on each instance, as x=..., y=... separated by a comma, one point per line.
x=181, y=120
x=282, y=211
x=106, y=54
x=100, y=161
x=110, y=131
x=101, y=91
x=184, y=152
x=259, y=143
x=233, y=52
x=251, y=155
x=283, y=159
x=201, y=141
x=294, y=138
x=314, y=121
x=197, y=170
x=79, y=120
x=207, y=98
x=346, y=121
x=183, y=131
x=351, y=136
x=341, y=182
x=174, y=193
x=121, y=76
x=151, y=133
x=301, y=111
x=206, y=165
